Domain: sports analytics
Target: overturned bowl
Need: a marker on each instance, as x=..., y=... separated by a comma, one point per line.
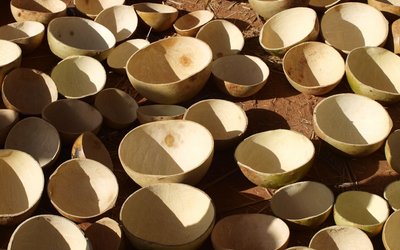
x=120, y=55
x=10, y=59
x=392, y=153
x=37, y=10
x=159, y=17
x=390, y=232
x=158, y=112
x=392, y=194
x=93, y=7
x=8, y=118
x=190, y=23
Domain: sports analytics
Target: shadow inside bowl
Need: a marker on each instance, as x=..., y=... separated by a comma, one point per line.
x=12, y=33
x=346, y=37
x=358, y=212
x=102, y=236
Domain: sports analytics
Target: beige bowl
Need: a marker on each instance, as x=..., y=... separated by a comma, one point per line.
x=28, y=91
x=167, y=151
x=250, y=231
x=159, y=17
x=93, y=7
x=189, y=24
x=117, y=107
x=224, y=37
x=22, y=183
x=106, y=234
x=372, y=72
x=47, y=231
x=159, y=112
x=395, y=29
x=36, y=137
x=69, y=36
x=268, y=8
x=240, y=75
x=392, y=194
x=10, y=59
x=168, y=216
x=347, y=26
x=353, y=124
x=299, y=248
x=275, y=158
x=390, y=233
x=304, y=204
x=390, y=8
x=392, y=153
x=8, y=118
x=226, y=121
x=288, y=28
x=323, y=5
x=82, y=189
x=171, y=70
x=37, y=10
x=313, y=68
x=341, y=237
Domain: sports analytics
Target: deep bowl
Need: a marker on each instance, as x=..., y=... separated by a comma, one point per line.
x=37, y=10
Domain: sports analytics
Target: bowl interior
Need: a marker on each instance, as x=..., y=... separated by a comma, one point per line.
x=120, y=55
x=390, y=234
x=10, y=52
x=94, y=7
x=40, y=5
x=21, y=30
x=156, y=8
x=156, y=112
x=391, y=194
x=391, y=152
x=193, y=20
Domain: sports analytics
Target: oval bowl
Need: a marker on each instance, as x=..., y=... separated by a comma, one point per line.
x=93, y=7
x=390, y=232
x=158, y=112
x=11, y=57
x=8, y=118
x=105, y=233
x=190, y=23
x=267, y=8
x=389, y=8
x=392, y=153
x=37, y=10
x=159, y=17
x=300, y=248
x=392, y=194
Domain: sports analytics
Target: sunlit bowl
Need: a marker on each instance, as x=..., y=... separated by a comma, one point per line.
x=267, y=8
x=120, y=55
x=92, y=8
x=11, y=57
x=190, y=23
x=159, y=112
x=392, y=153
x=390, y=232
x=37, y=10
x=392, y=194
x=159, y=17
x=389, y=8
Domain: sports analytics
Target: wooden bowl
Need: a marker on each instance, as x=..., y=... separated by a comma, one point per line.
x=391, y=194
x=22, y=182
x=240, y=75
x=28, y=91
x=351, y=123
x=117, y=107
x=121, y=20
x=390, y=233
x=304, y=204
x=392, y=153
x=106, y=234
x=82, y=189
x=168, y=216
x=77, y=77
x=36, y=137
x=224, y=37
x=226, y=121
x=395, y=29
x=159, y=17
x=347, y=26
x=10, y=59
x=159, y=112
x=288, y=28
x=323, y=5
x=37, y=10
x=250, y=231
x=8, y=118
x=275, y=158
x=69, y=36
x=171, y=70
x=313, y=68
x=93, y=7
x=167, y=151
x=190, y=23
x=389, y=8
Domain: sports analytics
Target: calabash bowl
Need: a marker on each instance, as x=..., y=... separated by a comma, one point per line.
x=11, y=57
x=159, y=17
x=390, y=231
x=391, y=194
x=391, y=153
x=158, y=112
x=190, y=23
x=93, y=7
x=37, y=10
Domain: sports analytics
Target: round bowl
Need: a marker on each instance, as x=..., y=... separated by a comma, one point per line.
x=347, y=26
x=300, y=248
x=226, y=121
x=322, y=5
x=117, y=107
x=266, y=161
x=267, y=8
x=159, y=17
x=341, y=237
x=304, y=204
x=389, y=8
x=82, y=189
x=22, y=182
x=171, y=70
x=36, y=137
x=167, y=151
x=372, y=72
x=37, y=10
x=93, y=7
x=8, y=118
x=240, y=75
x=223, y=37
x=392, y=153
x=47, y=231
x=313, y=68
x=390, y=233
x=190, y=23
x=10, y=59
x=288, y=28
x=159, y=112
x=362, y=210
x=250, y=231
x=351, y=123
x=68, y=36
x=28, y=91
x=105, y=233
x=395, y=30
x=168, y=216
x=392, y=194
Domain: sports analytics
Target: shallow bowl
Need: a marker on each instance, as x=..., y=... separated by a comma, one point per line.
x=392, y=194
x=159, y=17
x=10, y=59
x=190, y=23
x=390, y=233
x=93, y=7
x=158, y=112
x=37, y=10
x=392, y=153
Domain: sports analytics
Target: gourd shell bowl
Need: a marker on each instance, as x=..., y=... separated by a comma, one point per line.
x=190, y=23
x=37, y=10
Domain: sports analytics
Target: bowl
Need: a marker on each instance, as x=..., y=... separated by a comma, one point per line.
x=37, y=10
x=10, y=59
x=159, y=112
x=168, y=216
x=82, y=189
x=266, y=161
x=22, y=182
x=391, y=194
x=267, y=8
x=250, y=231
x=170, y=70
x=68, y=36
x=223, y=37
x=347, y=26
x=77, y=77
x=240, y=75
x=391, y=150
x=390, y=233
x=167, y=151
x=313, y=68
x=105, y=233
x=93, y=7
x=362, y=210
x=190, y=23
x=8, y=118
x=36, y=137
x=117, y=107
x=226, y=121
x=371, y=72
x=353, y=124
x=341, y=237
x=389, y=8
x=288, y=28
x=159, y=17
x=322, y=5
x=395, y=30
x=47, y=231
x=28, y=91
x=299, y=248
x=27, y=34
x=121, y=20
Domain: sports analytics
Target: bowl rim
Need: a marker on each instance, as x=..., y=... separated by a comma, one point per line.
x=39, y=29
x=22, y=6
x=210, y=16
x=391, y=185
x=395, y=214
x=170, y=9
